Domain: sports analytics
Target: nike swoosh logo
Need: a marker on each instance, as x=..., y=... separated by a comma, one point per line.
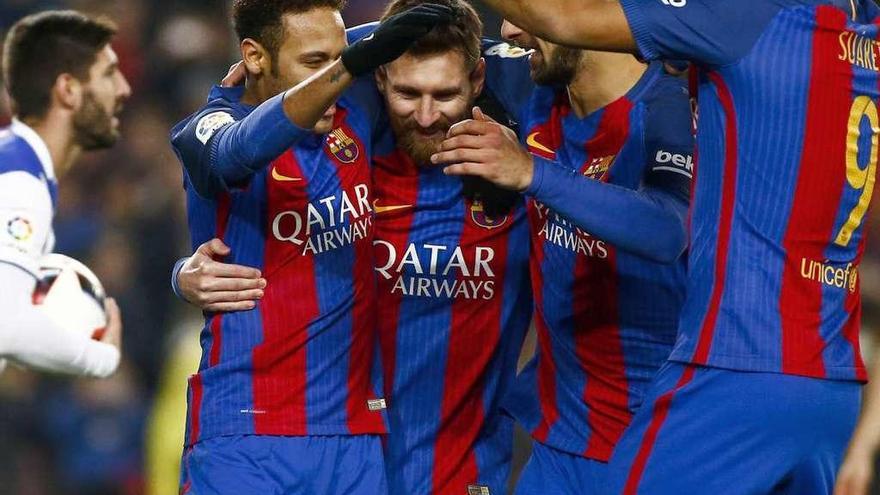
x=370, y=37
x=385, y=209
x=283, y=178
x=532, y=141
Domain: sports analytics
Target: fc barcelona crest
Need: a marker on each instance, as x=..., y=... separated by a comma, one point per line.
x=478, y=215
x=342, y=147
x=598, y=167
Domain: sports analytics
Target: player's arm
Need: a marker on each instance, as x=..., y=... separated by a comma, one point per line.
x=857, y=471
x=649, y=222
x=213, y=286
x=590, y=24
x=29, y=338
x=711, y=32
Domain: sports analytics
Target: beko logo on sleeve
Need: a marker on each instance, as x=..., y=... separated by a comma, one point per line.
x=675, y=3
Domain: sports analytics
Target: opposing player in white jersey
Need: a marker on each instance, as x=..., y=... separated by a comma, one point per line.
x=66, y=90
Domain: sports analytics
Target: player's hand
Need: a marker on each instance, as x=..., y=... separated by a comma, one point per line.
x=219, y=287
x=856, y=473
x=113, y=333
x=393, y=37
x=484, y=148
x=236, y=75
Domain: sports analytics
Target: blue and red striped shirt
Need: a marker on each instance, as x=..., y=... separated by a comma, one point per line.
x=606, y=316
x=788, y=141
x=454, y=307
x=302, y=362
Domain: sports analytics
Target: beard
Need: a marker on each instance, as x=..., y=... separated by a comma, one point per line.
x=560, y=68
x=418, y=147
x=93, y=125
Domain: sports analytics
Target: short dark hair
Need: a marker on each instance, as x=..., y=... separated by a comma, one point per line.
x=41, y=47
x=261, y=20
x=462, y=35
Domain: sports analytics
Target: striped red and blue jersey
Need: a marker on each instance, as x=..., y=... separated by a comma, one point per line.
x=606, y=317
x=454, y=307
x=788, y=142
x=303, y=361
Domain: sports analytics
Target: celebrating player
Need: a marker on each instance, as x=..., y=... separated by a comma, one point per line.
x=452, y=264
x=762, y=391
x=66, y=89
x=283, y=401
x=609, y=184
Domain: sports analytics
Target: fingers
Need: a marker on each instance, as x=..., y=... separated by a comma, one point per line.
x=226, y=270
x=469, y=168
x=482, y=117
x=475, y=127
x=462, y=155
x=212, y=248
x=230, y=307
x=464, y=141
x=236, y=75
x=113, y=333
x=215, y=284
x=233, y=296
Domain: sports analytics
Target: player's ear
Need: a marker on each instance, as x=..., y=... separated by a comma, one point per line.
x=67, y=92
x=478, y=76
x=256, y=58
x=381, y=78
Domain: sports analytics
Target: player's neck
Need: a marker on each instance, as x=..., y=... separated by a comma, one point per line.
x=601, y=79
x=57, y=133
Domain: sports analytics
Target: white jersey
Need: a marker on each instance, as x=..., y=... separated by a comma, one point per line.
x=28, y=193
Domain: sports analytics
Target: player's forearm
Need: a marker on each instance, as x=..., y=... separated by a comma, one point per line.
x=589, y=24
x=307, y=102
x=28, y=337
x=648, y=224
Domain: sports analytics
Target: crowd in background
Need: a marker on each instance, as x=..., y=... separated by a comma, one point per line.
x=122, y=212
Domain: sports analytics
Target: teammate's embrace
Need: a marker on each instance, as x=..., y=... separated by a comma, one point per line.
x=283, y=401
x=66, y=91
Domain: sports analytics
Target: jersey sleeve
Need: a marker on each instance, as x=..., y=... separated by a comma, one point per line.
x=25, y=220
x=670, y=142
x=29, y=337
x=221, y=149
x=359, y=32
x=709, y=32
x=508, y=76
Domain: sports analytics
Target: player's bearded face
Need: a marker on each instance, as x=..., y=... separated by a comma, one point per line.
x=96, y=121
x=554, y=64
x=425, y=97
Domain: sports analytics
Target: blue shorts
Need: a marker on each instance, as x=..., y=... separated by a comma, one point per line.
x=275, y=465
x=560, y=473
x=709, y=430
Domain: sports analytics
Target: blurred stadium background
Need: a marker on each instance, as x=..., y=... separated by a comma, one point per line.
x=122, y=212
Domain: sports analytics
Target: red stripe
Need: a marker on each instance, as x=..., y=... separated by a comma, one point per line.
x=195, y=407
x=288, y=307
x=537, y=218
x=224, y=203
x=661, y=411
x=363, y=339
x=596, y=311
x=546, y=364
x=216, y=340
x=396, y=182
x=817, y=198
x=474, y=335
x=728, y=197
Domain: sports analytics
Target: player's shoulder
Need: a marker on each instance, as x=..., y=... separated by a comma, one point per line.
x=222, y=108
x=16, y=155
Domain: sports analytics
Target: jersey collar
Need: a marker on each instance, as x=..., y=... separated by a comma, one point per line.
x=36, y=143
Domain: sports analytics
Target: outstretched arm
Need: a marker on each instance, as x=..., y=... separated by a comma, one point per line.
x=590, y=24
